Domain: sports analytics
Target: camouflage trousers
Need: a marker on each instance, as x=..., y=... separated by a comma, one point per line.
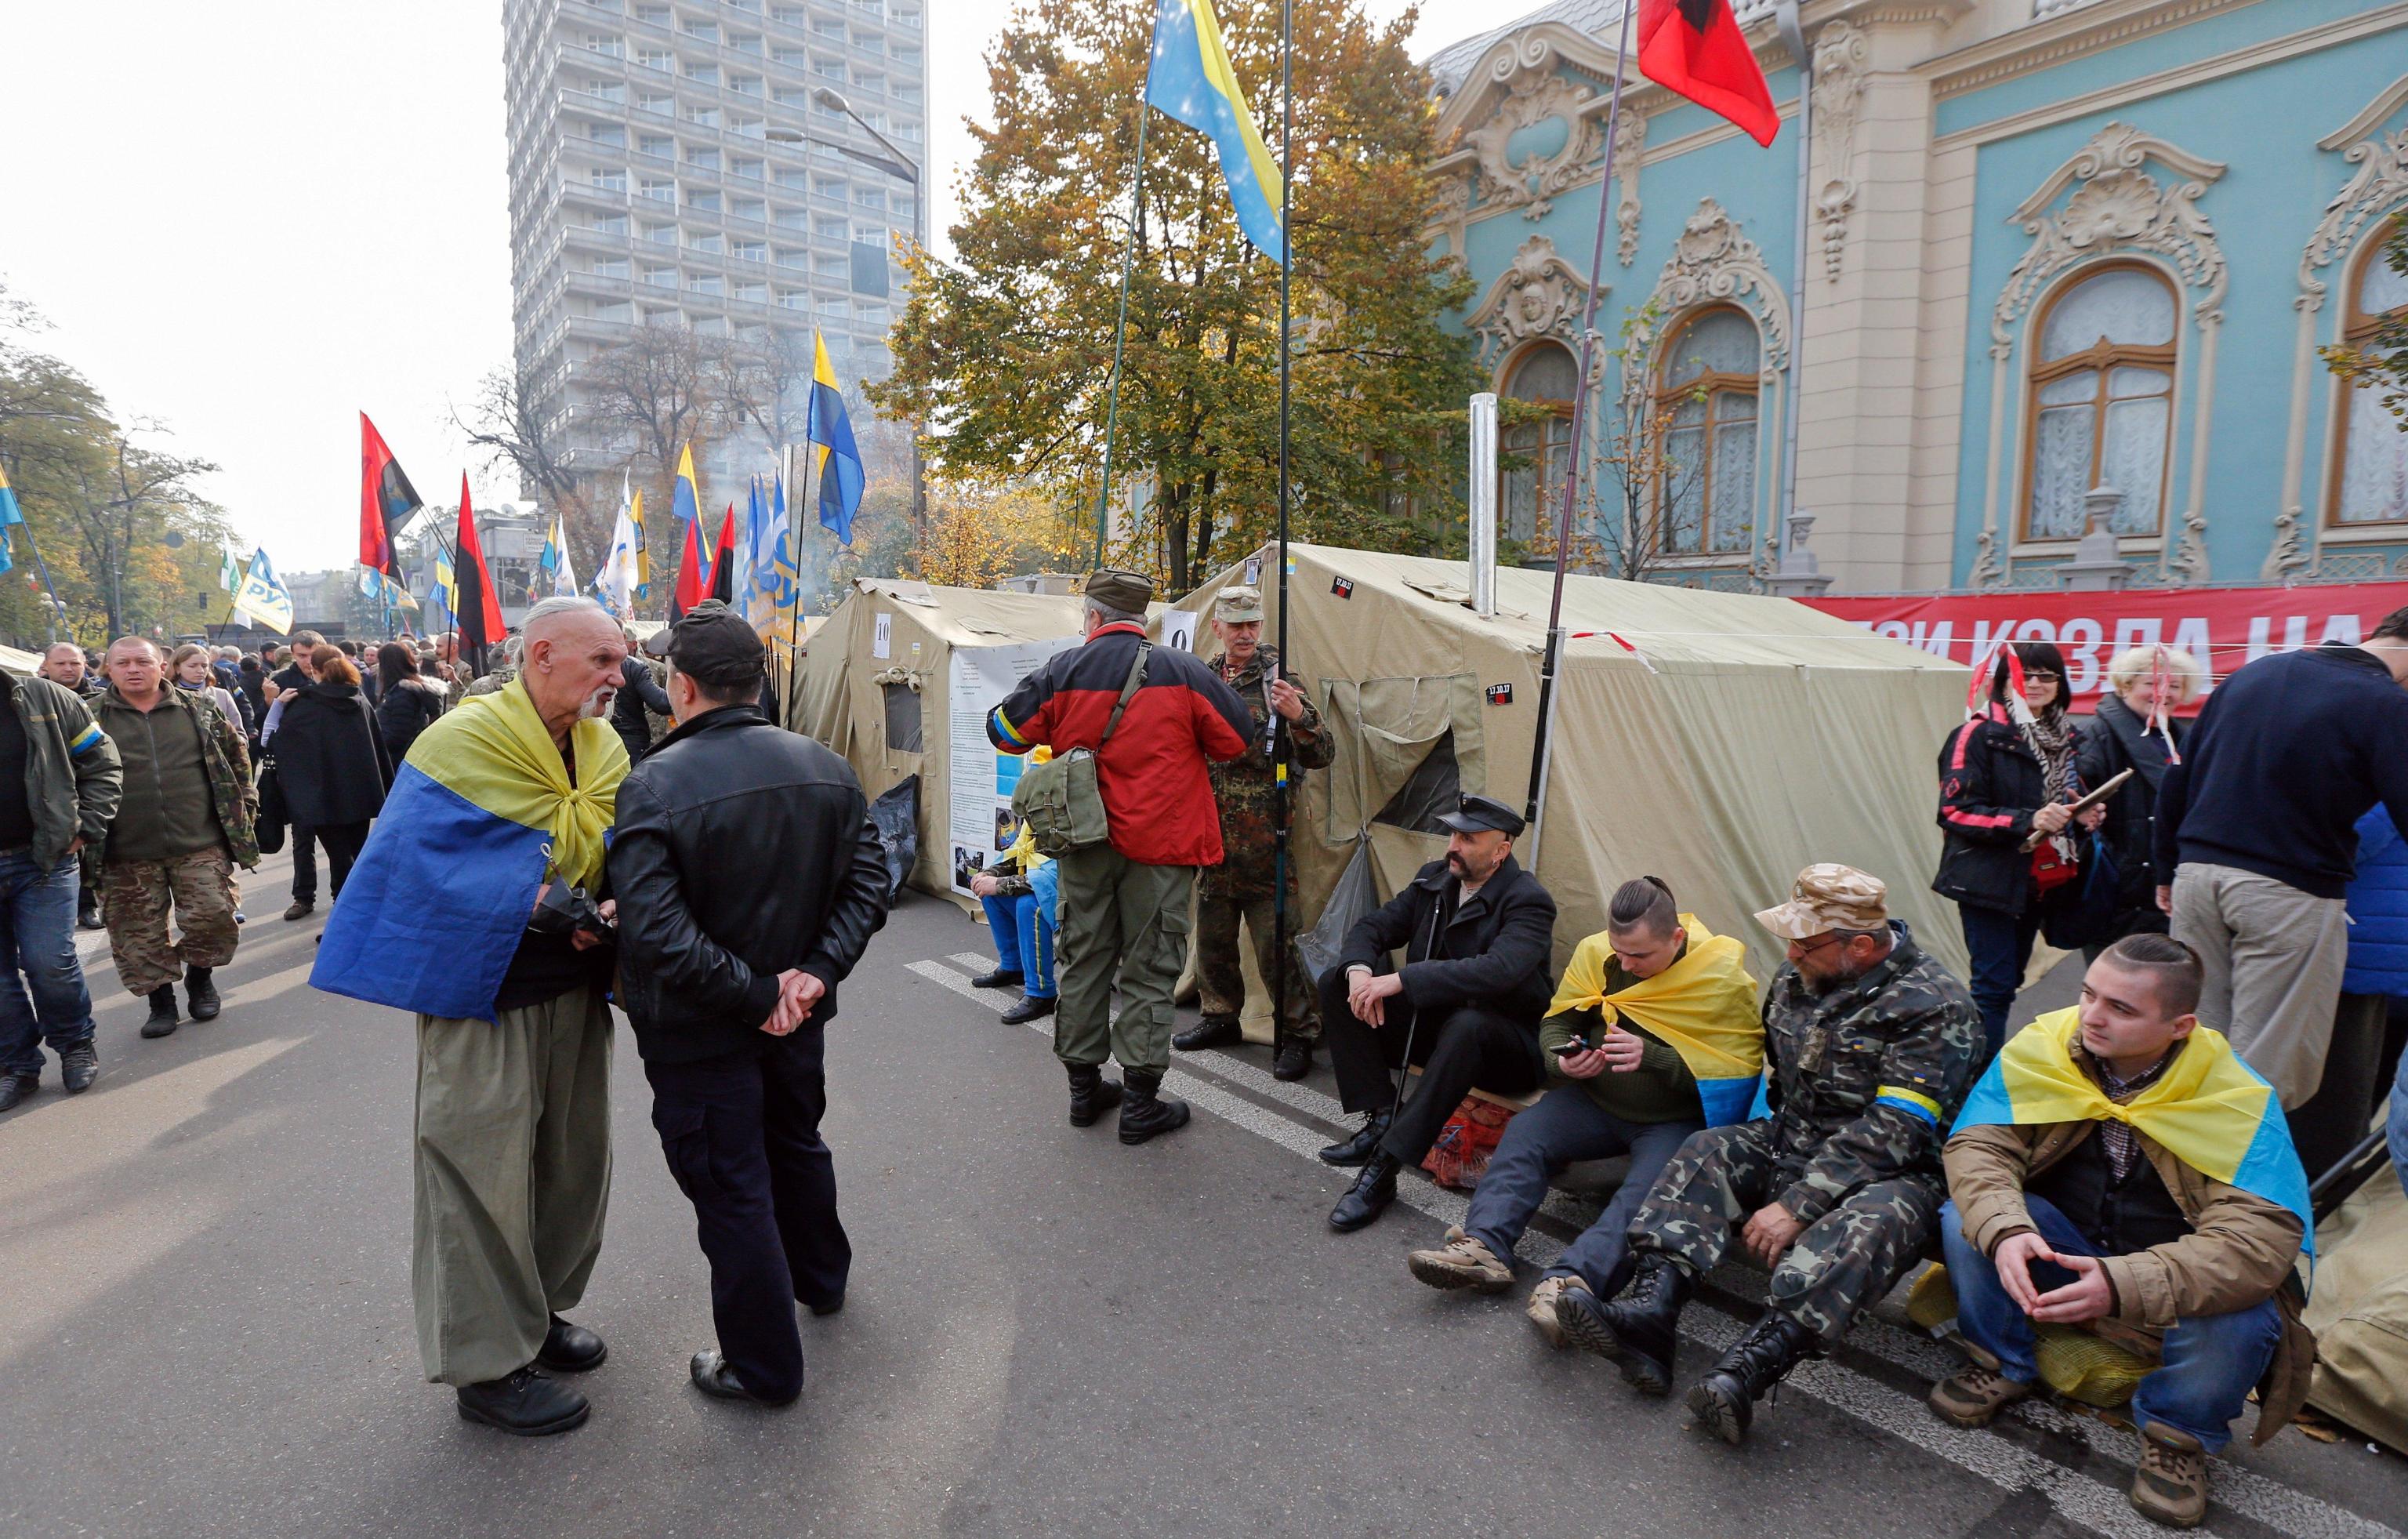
x=1220, y=973
x=1842, y=1264
x=136, y=899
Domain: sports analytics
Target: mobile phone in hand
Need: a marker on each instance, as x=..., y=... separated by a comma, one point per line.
x=1572, y=1048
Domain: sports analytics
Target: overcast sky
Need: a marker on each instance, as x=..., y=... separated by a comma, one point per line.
x=250, y=222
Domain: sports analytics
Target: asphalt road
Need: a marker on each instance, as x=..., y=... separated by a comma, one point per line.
x=205, y=1326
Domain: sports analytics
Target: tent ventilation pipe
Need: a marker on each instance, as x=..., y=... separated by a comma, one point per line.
x=1483, y=503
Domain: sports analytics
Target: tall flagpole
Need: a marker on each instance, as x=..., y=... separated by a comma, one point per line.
x=1119, y=327
x=1542, y=751
x=1280, y=738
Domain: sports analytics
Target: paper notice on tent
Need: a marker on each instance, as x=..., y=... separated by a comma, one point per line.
x=979, y=816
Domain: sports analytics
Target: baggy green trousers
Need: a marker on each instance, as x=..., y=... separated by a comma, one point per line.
x=513, y=1178
x=1120, y=916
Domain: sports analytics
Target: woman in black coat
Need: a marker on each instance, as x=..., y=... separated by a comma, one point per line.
x=2004, y=775
x=330, y=762
x=410, y=705
x=2145, y=686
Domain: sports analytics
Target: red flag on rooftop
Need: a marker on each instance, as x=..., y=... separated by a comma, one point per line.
x=1696, y=48
x=480, y=607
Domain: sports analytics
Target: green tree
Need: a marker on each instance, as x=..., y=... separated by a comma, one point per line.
x=1007, y=350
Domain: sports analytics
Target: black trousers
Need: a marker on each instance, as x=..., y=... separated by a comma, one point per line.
x=305, y=864
x=742, y=1135
x=1466, y=1047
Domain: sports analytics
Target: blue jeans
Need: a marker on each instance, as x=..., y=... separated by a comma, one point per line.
x=2000, y=945
x=2211, y=1363
x=37, y=952
x=2399, y=1123
x=1566, y=1126
x=1023, y=928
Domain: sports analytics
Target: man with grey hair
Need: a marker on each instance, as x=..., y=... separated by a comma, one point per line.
x=1152, y=717
x=473, y=907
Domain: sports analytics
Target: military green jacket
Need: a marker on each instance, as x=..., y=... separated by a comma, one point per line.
x=1868, y=1079
x=224, y=751
x=1244, y=789
x=73, y=777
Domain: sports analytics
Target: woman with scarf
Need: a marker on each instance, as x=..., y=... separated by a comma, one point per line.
x=331, y=761
x=2135, y=729
x=2005, y=775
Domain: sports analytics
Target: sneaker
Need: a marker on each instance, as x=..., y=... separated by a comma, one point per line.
x=1975, y=1395
x=17, y=1088
x=2170, y=1485
x=79, y=1066
x=1543, y=1307
x=1461, y=1262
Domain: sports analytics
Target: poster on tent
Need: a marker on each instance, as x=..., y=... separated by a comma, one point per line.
x=979, y=800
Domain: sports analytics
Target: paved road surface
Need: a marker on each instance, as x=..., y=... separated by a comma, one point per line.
x=205, y=1326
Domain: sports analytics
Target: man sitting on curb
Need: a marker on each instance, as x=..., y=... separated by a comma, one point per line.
x=1655, y=1027
x=1871, y=1045
x=2183, y=1219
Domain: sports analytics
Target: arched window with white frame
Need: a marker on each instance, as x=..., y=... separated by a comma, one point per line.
x=1705, y=401
x=2101, y=401
x=2370, y=447
x=1535, y=455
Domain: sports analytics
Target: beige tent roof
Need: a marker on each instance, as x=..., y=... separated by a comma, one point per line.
x=842, y=695
x=24, y=664
x=1744, y=737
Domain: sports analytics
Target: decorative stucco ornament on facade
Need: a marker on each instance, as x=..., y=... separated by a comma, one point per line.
x=1541, y=295
x=2117, y=206
x=1629, y=149
x=1715, y=260
x=1536, y=94
x=1840, y=60
x=2379, y=188
x=1449, y=211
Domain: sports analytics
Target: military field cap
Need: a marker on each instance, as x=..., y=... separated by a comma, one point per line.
x=1828, y=896
x=1127, y=592
x=713, y=642
x=1237, y=605
x=1475, y=815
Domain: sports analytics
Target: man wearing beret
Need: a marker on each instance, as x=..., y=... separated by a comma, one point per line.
x=1241, y=886
x=1476, y=930
x=1125, y=902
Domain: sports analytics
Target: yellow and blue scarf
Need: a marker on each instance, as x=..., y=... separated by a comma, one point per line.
x=2208, y=1110
x=1703, y=1007
x=482, y=814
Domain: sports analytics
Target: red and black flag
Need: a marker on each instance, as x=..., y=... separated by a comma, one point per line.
x=386, y=501
x=480, y=608
x=723, y=561
x=1695, y=48
x=693, y=572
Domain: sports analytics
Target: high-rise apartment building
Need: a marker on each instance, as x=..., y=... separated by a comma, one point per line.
x=709, y=164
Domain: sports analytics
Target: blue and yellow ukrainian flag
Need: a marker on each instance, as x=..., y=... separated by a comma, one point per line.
x=10, y=514
x=479, y=815
x=2210, y=1110
x=1703, y=1007
x=840, y=457
x=685, y=497
x=1192, y=80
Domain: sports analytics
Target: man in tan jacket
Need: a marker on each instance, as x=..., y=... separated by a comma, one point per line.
x=2068, y=1205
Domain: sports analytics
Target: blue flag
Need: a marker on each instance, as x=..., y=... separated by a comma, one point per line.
x=839, y=459
x=1191, y=79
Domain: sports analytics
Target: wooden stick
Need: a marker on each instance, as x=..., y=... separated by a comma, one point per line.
x=2112, y=785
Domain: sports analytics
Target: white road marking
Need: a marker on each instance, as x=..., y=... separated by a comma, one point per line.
x=2081, y=1499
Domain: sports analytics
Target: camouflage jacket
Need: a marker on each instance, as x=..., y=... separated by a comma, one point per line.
x=1868, y=1079
x=491, y=682
x=1243, y=787
x=223, y=749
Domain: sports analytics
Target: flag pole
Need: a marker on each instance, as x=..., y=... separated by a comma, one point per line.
x=1280, y=743
x=1552, y=663
x=56, y=606
x=795, y=506
x=1119, y=327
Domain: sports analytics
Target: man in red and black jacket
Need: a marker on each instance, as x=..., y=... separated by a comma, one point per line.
x=1124, y=903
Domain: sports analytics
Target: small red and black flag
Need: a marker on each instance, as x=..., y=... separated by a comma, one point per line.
x=479, y=608
x=386, y=501
x=1695, y=48
x=693, y=572
x=723, y=562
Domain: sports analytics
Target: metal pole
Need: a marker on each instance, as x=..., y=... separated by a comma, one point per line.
x=1483, y=503
x=1119, y=327
x=1588, y=340
x=1279, y=739
x=1795, y=38
x=56, y=607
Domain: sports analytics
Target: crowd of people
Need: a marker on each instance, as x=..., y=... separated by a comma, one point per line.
x=509, y=855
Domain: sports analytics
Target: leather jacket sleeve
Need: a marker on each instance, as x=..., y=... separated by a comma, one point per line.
x=860, y=907
x=658, y=935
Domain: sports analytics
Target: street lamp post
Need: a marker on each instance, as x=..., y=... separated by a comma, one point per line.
x=904, y=168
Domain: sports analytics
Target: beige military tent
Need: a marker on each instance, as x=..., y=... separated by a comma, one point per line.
x=874, y=684
x=1718, y=740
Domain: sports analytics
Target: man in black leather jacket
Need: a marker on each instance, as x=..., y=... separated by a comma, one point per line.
x=749, y=882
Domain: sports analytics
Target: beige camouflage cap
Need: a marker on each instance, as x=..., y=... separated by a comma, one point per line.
x=1235, y=606
x=1828, y=897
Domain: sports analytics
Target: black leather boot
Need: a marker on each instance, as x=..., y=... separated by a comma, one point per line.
x=524, y=1405
x=1212, y=1031
x=164, y=1018
x=1091, y=1094
x=1637, y=1328
x=1291, y=1056
x=1002, y=977
x=1356, y=1149
x=79, y=1066
x=1724, y=1402
x=201, y=994
x=1027, y=1010
x=570, y=1349
x=1147, y=1111
x=16, y=1088
x=1374, y=1188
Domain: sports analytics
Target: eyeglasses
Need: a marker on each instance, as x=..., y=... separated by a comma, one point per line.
x=1808, y=947
x=2041, y=676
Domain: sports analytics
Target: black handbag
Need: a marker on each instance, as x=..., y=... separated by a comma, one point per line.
x=2083, y=912
x=267, y=826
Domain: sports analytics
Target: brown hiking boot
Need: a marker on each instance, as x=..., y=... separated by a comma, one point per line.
x=1543, y=1307
x=1975, y=1395
x=2170, y=1485
x=1463, y=1262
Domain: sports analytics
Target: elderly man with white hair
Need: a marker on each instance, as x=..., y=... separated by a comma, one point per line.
x=473, y=907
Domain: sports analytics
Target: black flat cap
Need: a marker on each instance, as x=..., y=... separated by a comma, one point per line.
x=1473, y=815
x=713, y=642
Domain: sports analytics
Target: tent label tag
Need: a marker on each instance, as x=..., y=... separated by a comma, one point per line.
x=881, y=641
x=1501, y=694
x=1254, y=571
x=1342, y=586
